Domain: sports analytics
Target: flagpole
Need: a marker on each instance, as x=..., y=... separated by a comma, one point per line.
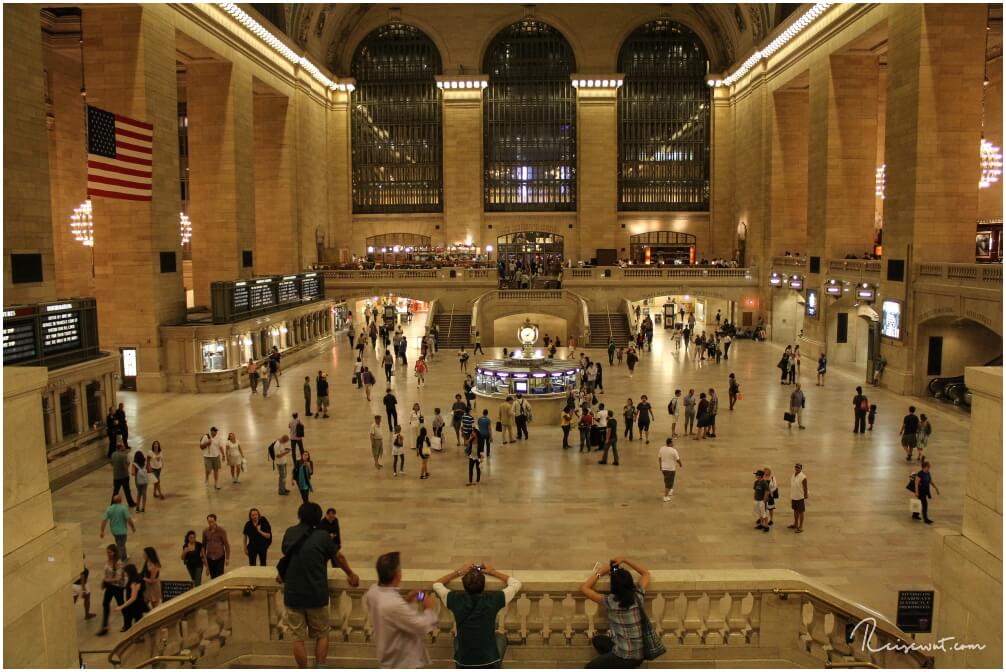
x=83, y=96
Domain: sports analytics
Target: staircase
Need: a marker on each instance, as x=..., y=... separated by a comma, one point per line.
x=605, y=325
x=455, y=329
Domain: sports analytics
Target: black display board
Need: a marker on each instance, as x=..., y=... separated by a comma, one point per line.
x=171, y=589
x=915, y=610
x=50, y=334
x=238, y=300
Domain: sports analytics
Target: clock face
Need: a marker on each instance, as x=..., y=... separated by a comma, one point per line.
x=527, y=334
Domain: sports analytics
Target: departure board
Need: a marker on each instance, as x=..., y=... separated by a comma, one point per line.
x=51, y=334
x=241, y=299
x=60, y=327
x=288, y=290
x=20, y=343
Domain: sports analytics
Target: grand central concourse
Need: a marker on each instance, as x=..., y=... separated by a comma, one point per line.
x=243, y=242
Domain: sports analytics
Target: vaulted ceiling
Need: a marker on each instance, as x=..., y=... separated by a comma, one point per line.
x=328, y=32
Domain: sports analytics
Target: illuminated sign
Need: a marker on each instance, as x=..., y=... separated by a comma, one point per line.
x=796, y=282
x=775, y=280
x=810, y=307
x=833, y=288
x=129, y=367
x=866, y=293
x=890, y=323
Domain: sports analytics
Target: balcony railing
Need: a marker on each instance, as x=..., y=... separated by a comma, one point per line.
x=855, y=266
x=789, y=262
x=974, y=275
x=737, y=615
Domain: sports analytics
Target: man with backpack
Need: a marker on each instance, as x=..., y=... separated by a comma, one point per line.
x=296, y=428
x=860, y=406
x=674, y=410
x=321, y=392
x=522, y=415
x=279, y=454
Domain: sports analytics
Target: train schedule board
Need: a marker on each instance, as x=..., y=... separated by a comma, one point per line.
x=50, y=334
x=238, y=300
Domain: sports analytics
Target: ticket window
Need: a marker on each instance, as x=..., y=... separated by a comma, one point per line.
x=501, y=385
x=246, y=348
x=214, y=356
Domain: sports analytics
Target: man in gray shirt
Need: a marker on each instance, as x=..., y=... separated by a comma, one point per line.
x=120, y=472
x=689, y=411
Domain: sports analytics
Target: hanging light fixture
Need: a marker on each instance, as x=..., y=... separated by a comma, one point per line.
x=992, y=164
x=880, y=182
x=82, y=224
x=185, y=227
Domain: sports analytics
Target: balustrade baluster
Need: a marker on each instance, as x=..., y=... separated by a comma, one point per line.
x=753, y=603
x=715, y=621
x=568, y=615
x=692, y=622
x=737, y=624
x=672, y=619
x=546, y=606
x=523, y=611
x=357, y=626
x=591, y=609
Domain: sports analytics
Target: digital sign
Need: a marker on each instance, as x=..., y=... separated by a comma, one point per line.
x=811, y=305
x=890, y=322
x=833, y=288
x=796, y=282
x=866, y=293
x=239, y=300
x=50, y=334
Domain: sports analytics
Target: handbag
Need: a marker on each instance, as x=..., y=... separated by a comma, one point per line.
x=653, y=645
x=354, y=379
x=914, y=505
x=284, y=562
x=499, y=426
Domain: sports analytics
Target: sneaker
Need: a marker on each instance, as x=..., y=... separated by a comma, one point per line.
x=666, y=498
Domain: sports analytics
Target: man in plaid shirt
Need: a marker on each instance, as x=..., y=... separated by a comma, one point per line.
x=623, y=646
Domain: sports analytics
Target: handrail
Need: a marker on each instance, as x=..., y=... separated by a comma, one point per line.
x=191, y=659
x=147, y=625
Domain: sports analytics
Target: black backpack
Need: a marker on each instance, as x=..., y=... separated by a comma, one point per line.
x=272, y=454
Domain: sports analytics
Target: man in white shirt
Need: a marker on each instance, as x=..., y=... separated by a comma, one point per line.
x=798, y=496
x=669, y=461
x=674, y=409
x=212, y=447
x=400, y=630
x=376, y=441
x=283, y=452
x=521, y=413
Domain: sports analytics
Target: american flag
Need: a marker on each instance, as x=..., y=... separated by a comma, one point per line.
x=119, y=156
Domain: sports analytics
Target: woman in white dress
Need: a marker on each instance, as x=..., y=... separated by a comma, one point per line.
x=413, y=431
x=235, y=456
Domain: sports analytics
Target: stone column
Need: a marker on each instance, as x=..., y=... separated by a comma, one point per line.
x=275, y=215
x=462, y=160
x=934, y=94
x=339, y=234
x=597, y=166
x=967, y=565
x=790, y=142
x=40, y=558
x=129, y=54
x=312, y=168
x=842, y=164
x=221, y=156
x=27, y=212
x=721, y=200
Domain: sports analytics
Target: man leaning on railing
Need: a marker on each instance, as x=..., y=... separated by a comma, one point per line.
x=477, y=643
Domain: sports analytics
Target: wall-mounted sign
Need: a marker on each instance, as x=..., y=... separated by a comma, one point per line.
x=890, y=322
x=129, y=367
x=233, y=301
x=833, y=288
x=866, y=292
x=796, y=282
x=775, y=280
x=915, y=610
x=50, y=334
x=810, y=307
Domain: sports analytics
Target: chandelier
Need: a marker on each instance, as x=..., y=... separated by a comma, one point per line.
x=992, y=164
x=185, y=227
x=82, y=224
x=880, y=181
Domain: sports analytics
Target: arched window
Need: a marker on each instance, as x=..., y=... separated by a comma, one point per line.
x=663, y=120
x=396, y=131
x=529, y=120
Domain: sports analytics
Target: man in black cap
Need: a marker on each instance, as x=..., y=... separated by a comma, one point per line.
x=761, y=494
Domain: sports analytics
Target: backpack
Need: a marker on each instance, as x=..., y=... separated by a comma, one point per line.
x=525, y=410
x=299, y=430
x=929, y=428
x=864, y=404
x=672, y=407
x=272, y=454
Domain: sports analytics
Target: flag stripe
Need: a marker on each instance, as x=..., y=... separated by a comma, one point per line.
x=135, y=147
x=133, y=122
x=130, y=153
x=118, y=182
x=134, y=190
x=116, y=194
x=130, y=159
x=131, y=134
x=144, y=144
x=103, y=165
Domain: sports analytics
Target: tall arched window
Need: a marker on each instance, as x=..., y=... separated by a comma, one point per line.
x=663, y=120
x=530, y=120
x=396, y=131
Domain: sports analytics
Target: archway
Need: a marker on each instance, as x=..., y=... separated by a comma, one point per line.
x=947, y=344
x=505, y=328
x=666, y=247
x=537, y=253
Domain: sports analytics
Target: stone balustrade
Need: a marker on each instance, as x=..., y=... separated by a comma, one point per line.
x=445, y=274
x=972, y=275
x=775, y=617
x=868, y=267
x=789, y=262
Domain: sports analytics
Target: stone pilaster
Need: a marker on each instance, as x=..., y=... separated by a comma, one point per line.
x=275, y=216
x=597, y=167
x=721, y=202
x=790, y=142
x=462, y=161
x=27, y=212
x=40, y=558
x=311, y=173
x=129, y=54
x=967, y=566
x=221, y=160
x=340, y=230
x=934, y=95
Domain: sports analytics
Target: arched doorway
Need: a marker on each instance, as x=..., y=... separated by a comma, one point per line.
x=946, y=344
x=539, y=254
x=662, y=247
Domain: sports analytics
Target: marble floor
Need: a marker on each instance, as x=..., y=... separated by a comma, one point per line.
x=542, y=507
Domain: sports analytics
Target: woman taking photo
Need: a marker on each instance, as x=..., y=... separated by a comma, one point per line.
x=151, y=576
x=155, y=463
x=140, y=477
x=192, y=557
x=235, y=456
x=623, y=645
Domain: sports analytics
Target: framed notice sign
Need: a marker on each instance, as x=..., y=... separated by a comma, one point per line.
x=915, y=610
x=890, y=321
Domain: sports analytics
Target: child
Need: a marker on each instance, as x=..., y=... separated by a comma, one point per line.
x=621, y=354
x=872, y=416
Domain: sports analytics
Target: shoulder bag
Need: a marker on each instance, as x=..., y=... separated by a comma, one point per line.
x=653, y=645
x=284, y=562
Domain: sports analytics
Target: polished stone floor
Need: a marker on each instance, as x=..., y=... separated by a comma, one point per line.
x=542, y=507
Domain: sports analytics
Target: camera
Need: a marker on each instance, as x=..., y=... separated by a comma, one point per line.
x=477, y=567
x=420, y=596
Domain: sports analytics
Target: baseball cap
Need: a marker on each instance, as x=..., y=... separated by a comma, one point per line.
x=798, y=465
x=759, y=473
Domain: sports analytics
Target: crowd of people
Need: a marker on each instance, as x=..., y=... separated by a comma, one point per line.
x=309, y=546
